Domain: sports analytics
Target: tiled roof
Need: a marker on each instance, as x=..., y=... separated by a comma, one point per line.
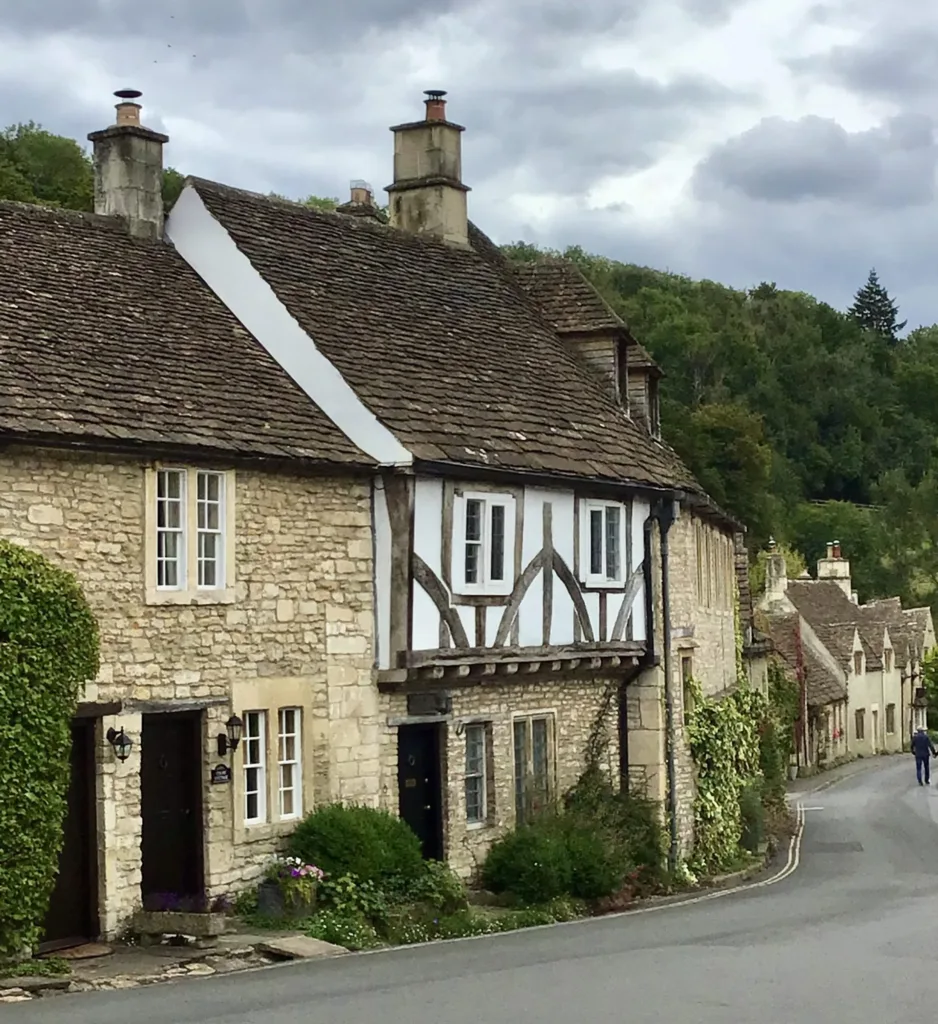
x=829, y=612
x=822, y=685
x=876, y=616
x=108, y=338
x=920, y=619
x=573, y=306
x=441, y=343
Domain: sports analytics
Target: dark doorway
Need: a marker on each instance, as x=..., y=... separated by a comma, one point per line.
x=171, y=806
x=72, y=917
x=419, y=778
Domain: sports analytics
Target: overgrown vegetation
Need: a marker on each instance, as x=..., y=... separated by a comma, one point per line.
x=48, y=649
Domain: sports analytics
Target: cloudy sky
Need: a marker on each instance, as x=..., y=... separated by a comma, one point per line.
x=741, y=140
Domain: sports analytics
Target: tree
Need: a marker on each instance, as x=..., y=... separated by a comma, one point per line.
x=876, y=312
x=48, y=649
x=39, y=167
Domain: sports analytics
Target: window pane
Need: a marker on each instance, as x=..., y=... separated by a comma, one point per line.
x=473, y=520
x=288, y=757
x=473, y=553
x=612, y=543
x=497, y=567
x=475, y=808
x=475, y=750
x=596, y=542
x=255, y=772
x=521, y=742
x=539, y=760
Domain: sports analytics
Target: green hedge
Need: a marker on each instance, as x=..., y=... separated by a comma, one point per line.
x=48, y=649
x=346, y=839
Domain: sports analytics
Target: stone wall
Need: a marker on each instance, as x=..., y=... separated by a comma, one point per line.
x=574, y=707
x=703, y=642
x=297, y=631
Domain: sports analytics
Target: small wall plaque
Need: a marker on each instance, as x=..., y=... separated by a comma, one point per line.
x=221, y=774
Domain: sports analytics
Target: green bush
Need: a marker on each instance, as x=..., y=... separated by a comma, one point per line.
x=348, y=894
x=752, y=817
x=439, y=887
x=346, y=839
x=532, y=863
x=48, y=649
x=599, y=862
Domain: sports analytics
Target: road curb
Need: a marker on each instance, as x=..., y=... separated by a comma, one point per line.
x=870, y=765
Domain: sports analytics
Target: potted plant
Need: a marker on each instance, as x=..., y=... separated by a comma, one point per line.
x=289, y=888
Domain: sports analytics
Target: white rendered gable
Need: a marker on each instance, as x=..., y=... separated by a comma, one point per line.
x=212, y=253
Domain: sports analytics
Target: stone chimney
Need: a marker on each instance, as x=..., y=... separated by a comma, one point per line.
x=835, y=569
x=776, y=574
x=128, y=170
x=362, y=202
x=428, y=196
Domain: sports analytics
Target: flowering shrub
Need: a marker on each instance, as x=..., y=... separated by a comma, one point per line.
x=298, y=881
x=349, y=894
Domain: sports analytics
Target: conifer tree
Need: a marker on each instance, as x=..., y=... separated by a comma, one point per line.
x=876, y=311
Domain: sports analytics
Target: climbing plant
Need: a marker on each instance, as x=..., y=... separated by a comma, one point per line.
x=48, y=649
x=724, y=743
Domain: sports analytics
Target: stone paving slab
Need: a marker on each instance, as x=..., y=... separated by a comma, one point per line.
x=299, y=947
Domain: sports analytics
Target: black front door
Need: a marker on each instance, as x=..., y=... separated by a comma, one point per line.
x=72, y=917
x=419, y=776
x=171, y=806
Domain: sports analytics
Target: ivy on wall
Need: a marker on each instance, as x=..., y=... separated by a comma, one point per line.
x=724, y=742
x=48, y=649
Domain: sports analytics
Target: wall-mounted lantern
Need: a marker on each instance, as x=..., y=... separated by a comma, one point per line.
x=121, y=743
x=231, y=737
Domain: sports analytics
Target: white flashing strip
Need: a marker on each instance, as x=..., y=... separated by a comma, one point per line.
x=212, y=253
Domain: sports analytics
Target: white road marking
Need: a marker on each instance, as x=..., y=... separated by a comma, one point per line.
x=811, y=808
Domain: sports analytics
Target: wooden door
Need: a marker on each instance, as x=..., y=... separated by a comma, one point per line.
x=72, y=917
x=419, y=780
x=171, y=803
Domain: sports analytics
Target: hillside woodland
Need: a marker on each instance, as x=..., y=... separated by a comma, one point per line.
x=807, y=422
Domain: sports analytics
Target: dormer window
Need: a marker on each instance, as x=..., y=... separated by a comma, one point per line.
x=887, y=659
x=857, y=663
x=603, y=551
x=483, y=543
x=654, y=409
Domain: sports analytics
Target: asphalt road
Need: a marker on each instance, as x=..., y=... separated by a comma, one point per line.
x=852, y=935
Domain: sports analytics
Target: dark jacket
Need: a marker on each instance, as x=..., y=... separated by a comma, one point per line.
x=922, y=745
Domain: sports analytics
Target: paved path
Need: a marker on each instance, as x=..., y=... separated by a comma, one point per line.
x=852, y=935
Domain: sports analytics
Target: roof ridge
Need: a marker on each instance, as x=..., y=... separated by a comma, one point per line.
x=63, y=213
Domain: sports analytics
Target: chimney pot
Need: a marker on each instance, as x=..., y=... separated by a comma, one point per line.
x=436, y=105
x=128, y=112
x=362, y=193
x=772, y=544
x=830, y=550
x=836, y=549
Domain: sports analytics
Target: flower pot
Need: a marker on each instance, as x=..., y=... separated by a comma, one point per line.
x=270, y=901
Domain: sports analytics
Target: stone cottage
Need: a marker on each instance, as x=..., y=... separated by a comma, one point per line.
x=388, y=511
x=221, y=527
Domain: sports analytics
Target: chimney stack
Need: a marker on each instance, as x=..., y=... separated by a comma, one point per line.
x=128, y=170
x=835, y=568
x=361, y=203
x=427, y=196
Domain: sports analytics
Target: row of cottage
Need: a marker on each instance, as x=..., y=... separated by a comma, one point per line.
x=364, y=512
x=861, y=665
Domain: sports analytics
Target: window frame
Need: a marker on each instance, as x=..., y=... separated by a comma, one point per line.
x=858, y=663
x=522, y=811
x=602, y=581
x=296, y=763
x=189, y=590
x=260, y=766
x=887, y=659
x=219, y=533
x=181, y=532
x=859, y=724
x=480, y=775
x=890, y=724
x=485, y=585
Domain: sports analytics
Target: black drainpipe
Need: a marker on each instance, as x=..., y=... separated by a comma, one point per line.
x=665, y=514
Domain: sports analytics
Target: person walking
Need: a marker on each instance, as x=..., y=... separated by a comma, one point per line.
x=922, y=746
